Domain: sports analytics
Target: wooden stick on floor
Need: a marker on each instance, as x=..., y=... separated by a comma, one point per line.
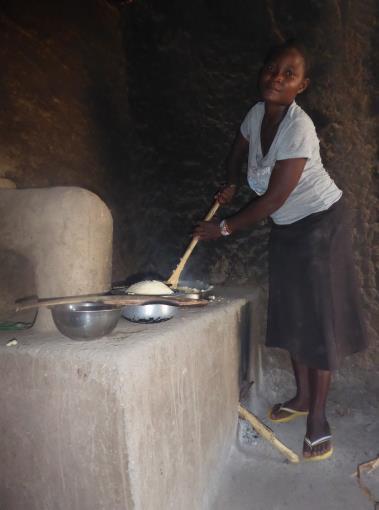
x=267, y=434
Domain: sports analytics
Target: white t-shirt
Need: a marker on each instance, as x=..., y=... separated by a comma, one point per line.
x=296, y=138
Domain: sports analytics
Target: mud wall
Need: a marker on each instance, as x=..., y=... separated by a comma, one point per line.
x=139, y=101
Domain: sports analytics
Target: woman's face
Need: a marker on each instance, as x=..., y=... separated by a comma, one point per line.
x=283, y=77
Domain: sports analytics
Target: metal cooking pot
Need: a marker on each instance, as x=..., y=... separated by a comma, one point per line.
x=195, y=289
x=149, y=313
x=87, y=320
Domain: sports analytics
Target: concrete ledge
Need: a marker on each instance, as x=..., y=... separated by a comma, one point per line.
x=143, y=419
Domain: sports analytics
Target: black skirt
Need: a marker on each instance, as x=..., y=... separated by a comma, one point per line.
x=314, y=309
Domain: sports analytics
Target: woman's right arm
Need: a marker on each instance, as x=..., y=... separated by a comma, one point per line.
x=234, y=162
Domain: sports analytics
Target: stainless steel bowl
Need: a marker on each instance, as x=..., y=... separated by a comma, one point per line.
x=87, y=320
x=150, y=313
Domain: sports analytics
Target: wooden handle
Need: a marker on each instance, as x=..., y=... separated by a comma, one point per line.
x=28, y=304
x=175, y=276
x=267, y=434
x=111, y=299
x=212, y=211
x=150, y=300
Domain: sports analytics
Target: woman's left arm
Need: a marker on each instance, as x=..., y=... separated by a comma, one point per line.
x=284, y=178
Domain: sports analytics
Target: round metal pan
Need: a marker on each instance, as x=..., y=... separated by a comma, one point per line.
x=195, y=289
x=151, y=313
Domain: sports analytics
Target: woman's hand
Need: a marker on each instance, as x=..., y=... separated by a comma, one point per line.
x=207, y=230
x=226, y=193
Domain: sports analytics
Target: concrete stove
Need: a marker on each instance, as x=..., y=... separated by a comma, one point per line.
x=143, y=419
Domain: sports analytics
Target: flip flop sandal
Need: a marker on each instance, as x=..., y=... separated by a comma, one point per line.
x=292, y=414
x=311, y=444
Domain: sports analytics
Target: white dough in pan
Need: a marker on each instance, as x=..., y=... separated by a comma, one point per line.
x=150, y=287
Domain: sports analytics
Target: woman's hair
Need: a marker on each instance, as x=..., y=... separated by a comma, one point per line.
x=290, y=44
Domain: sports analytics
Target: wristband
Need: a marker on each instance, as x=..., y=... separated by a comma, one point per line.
x=224, y=229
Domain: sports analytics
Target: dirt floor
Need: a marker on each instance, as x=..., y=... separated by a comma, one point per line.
x=257, y=477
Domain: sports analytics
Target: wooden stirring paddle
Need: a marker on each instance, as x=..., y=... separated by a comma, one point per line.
x=174, y=278
x=120, y=300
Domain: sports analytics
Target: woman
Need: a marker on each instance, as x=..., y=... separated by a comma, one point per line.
x=314, y=310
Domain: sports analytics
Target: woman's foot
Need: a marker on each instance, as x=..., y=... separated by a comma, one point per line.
x=290, y=410
x=317, y=442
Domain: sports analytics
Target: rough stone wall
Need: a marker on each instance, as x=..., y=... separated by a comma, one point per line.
x=200, y=66
x=63, y=95
x=139, y=101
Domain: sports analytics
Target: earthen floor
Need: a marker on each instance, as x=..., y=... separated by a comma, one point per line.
x=257, y=477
